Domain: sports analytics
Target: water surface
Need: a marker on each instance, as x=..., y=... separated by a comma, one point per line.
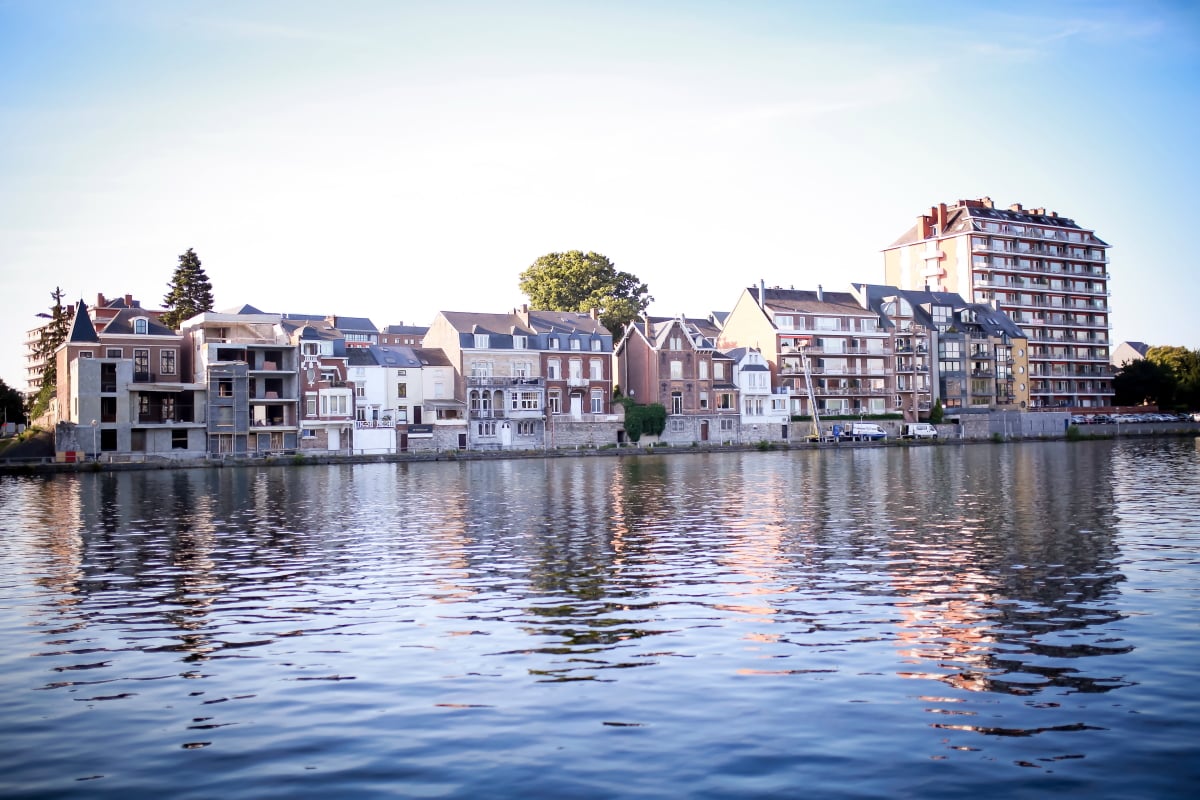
x=860, y=622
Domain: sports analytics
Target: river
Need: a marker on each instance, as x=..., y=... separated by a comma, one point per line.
x=1012, y=619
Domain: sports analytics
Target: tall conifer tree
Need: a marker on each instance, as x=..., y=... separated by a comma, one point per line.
x=191, y=291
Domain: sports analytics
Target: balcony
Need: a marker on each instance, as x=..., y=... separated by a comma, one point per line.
x=488, y=380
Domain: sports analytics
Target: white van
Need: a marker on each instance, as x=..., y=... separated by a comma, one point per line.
x=918, y=430
x=864, y=431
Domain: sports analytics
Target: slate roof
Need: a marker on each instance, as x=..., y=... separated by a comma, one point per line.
x=566, y=322
x=499, y=324
x=432, y=357
x=961, y=217
x=986, y=318
x=805, y=301
x=411, y=330
x=122, y=324
x=82, y=329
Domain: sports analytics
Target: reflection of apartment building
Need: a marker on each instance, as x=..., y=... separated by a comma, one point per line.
x=674, y=361
x=249, y=365
x=848, y=352
x=126, y=383
x=1048, y=274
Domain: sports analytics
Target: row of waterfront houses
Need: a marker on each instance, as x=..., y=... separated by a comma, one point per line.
x=245, y=382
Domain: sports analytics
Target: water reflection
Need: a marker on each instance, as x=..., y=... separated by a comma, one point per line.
x=975, y=593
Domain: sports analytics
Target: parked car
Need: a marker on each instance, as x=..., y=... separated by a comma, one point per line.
x=918, y=430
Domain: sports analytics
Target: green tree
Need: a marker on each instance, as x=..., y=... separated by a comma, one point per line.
x=1183, y=366
x=641, y=419
x=577, y=281
x=53, y=333
x=1143, y=381
x=938, y=413
x=12, y=404
x=191, y=291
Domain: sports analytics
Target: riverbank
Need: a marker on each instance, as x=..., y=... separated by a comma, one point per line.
x=125, y=463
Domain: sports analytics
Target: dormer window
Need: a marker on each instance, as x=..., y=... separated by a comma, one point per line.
x=481, y=340
x=596, y=344
x=553, y=342
x=140, y=326
x=574, y=343
x=520, y=342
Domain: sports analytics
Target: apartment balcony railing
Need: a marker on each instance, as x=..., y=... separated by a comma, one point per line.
x=490, y=380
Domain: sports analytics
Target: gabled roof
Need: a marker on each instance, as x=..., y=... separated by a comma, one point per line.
x=82, y=329
x=499, y=324
x=432, y=357
x=394, y=356
x=414, y=330
x=700, y=332
x=245, y=309
x=122, y=324
x=566, y=322
x=805, y=301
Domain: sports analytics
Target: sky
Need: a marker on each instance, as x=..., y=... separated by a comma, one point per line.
x=393, y=159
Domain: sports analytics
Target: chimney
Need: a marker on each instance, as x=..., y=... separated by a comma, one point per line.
x=594, y=313
x=941, y=218
x=332, y=320
x=923, y=226
x=820, y=294
x=987, y=202
x=100, y=301
x=649, y=333
x=1015, y=207
x=762, y=293
x=129, y=301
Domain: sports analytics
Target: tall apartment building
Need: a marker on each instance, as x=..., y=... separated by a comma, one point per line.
x=1046, y=272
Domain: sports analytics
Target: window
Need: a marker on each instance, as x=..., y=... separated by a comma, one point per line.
x=481, y=340
x=360, y=391
x=439, y=388
x=676, y=370
x=554, y=369
x=401, y=390
x=224, y=388
x=675, y=343
x=597, y=401
x=704, y=400
x=311, y=348
x=576, y=367
x=310, y=406
x=520, y=342
x=85, y=353
x=166, y=362
x=141, y=365
x=179, y=439
x=140, y=326
x=828, y=324
x=574, y=343
x=726, y=424
x=782, y=321
x=114, y=352
x=487, y=428
x=596, y=369
x=555, y=401
x=725, y=400
x=703, y=369
x=941, y=315
x=402, y=415
x=718, y=371
x=596, y=344
x=481, y=369
x=522, y=369
x=678, y=426
x=553, y=343
x=529, y=401
x=676, y=402
x=308, y=433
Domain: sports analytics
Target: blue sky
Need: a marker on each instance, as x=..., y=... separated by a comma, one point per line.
x=393, y=159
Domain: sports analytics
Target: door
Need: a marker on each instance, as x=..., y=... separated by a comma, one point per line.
x=704, y=430
x=416, y=415
x=505, y=434
x=577, y=406
x=335, y=438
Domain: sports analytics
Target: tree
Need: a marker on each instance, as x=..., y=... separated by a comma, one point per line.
x=12, y=404
x=191, y=291
x=575, y=281
x=1143, y=381
x=938, y=413
x=1183, y=366
x=52, y=334
x=649, y=419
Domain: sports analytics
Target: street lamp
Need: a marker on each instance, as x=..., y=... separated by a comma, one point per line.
x=95, y=439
